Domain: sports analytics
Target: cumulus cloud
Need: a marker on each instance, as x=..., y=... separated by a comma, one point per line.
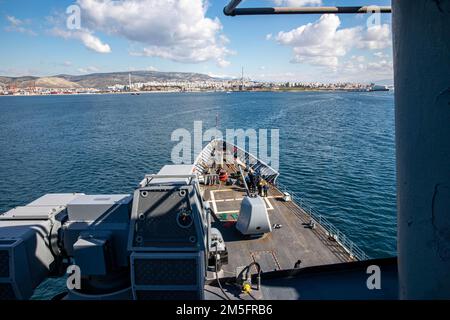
x=18, y=25
x=14, y=21
x=380, y=55
x=177, y=30
x=358, y=68
x=376, y=37
x=319, y=43
x=324, y=43
x=89, y=40
x=381, y=66
x=297, y=3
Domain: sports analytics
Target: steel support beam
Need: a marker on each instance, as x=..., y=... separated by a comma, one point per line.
x=231, y=10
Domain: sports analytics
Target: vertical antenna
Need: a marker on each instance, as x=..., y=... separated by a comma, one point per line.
x=129, y=80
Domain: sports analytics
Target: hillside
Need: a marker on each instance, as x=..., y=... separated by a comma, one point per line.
x=100, y=80
x=55, y=82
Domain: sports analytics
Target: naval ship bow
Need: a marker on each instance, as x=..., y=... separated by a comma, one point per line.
x=189, y=232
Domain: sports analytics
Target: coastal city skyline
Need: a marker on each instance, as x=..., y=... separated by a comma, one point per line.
x=155, y=81
x=122, y=36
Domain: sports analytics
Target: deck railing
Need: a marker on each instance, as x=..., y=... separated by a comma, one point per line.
x=354, y=250
x=266, y=171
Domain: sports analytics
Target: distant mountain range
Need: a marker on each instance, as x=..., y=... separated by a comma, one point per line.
x=100, y=80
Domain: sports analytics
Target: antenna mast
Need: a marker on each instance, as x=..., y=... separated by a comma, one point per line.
x=242, y=86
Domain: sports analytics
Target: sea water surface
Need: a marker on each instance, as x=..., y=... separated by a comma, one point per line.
x=336, y=148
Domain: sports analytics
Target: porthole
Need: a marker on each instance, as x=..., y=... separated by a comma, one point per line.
x=185, y=219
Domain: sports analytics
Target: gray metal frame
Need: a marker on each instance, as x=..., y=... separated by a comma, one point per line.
x=197, y=218
x=21, y=286
x=232, y=10
x=168, y=256
x=150, y=177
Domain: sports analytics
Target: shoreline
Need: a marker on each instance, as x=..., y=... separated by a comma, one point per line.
x=172, y=92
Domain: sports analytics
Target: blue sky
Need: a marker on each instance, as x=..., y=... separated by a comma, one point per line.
x=141, y=35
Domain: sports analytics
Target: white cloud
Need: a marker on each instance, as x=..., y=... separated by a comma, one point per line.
x=324, y=43
x=151, y=68
x=223, y=63
x=89, y=40
x=319, y=43
x=18, y=25
x=90, y=69
x=360, y=59
x=376, y=37
x=297, y=3
x=67, y=64
x=14, y=21
x=380, y=55
x=358, y=68
x=177, y=30
x=381, y=66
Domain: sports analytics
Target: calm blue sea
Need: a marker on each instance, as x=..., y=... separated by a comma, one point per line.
x=335, y=148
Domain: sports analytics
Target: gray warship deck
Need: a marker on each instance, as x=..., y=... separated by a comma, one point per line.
x=279, y=250
x=163, y=236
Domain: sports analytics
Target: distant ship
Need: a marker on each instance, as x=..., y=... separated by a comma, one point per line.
x=378, y=88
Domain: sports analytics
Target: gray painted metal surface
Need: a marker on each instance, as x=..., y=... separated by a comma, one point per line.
x=331, y=282
x=92, y=207
x=28, y=236
x=253, y=217
x=174, y=171
x=421, y=32
x=55, y=199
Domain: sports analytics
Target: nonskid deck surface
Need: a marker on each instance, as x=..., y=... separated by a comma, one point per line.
x=281, y=249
